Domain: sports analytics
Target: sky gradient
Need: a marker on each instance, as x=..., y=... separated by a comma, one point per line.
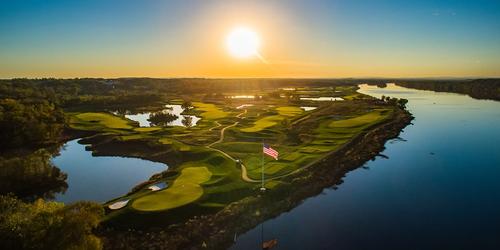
x=185, y=38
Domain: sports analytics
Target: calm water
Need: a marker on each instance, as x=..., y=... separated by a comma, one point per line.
x=142, y=118
x=440, y=189
x=323, y=98
x=100, y=178
x=308, y=108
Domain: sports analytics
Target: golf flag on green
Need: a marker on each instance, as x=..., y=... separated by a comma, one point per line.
x=270, y=151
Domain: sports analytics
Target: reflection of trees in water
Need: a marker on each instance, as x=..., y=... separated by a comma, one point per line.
x=31, y=176
x=121, y=111
x=188, y=121
x=162, y=118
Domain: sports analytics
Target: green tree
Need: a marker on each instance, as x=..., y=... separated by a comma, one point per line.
x=31, y=175
x=29, y=124
x=48, y=225
x=187, y=121
x=162, y=118
x=187, y=105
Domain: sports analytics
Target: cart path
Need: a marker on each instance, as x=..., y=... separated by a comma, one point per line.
x=244, y=172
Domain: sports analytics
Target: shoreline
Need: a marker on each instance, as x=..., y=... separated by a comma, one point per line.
x=237, y=217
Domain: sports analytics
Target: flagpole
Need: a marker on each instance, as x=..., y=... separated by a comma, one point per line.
x=262, y=188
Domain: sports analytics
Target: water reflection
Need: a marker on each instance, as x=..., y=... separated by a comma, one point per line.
x=437, y=187
x=244, y=96
x=322, y=98
x=31, y=176
x=244, y=106
x=181, y=120
x=308, y=108
x=100, y=178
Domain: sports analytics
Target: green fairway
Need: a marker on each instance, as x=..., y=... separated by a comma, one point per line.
x=289, y=110
x=210, y=111
x=147, y=129
x=263, y=123
x=185, y=189
x=220, y=160
x=358, y=121
x=93, y=121
x=272, y=120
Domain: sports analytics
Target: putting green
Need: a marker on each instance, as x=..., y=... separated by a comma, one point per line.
x=185, y=189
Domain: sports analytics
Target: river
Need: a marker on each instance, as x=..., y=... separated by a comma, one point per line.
x=439, y=187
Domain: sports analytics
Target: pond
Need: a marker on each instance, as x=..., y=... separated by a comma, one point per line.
x=100, y=178
x=244, y=106
x=322, y=98
x=243, y=96
x=438, y=189
x=142, y=118
x=308, y=108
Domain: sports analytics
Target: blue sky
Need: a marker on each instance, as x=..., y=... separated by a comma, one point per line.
x=300, y=38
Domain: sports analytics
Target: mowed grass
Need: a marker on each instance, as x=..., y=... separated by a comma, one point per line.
x=359, y=121
x=263, y=123
x=96, y=121
x=269, y=121
x=289, y=110
x=208, y=178
x=210, y=111
x=328, y=136
x=251, y=155
x=332, y=134
x=184, y=190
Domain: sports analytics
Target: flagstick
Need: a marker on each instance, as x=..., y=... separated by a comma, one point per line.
x=262, y=187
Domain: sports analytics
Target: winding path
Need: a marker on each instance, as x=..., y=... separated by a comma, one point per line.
x=244, y=172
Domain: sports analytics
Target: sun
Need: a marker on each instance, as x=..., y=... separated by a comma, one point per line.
x=243, y=43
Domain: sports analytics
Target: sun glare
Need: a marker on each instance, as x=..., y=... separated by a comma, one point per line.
x=243, y=43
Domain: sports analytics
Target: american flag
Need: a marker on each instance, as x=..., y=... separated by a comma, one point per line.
x=271, y=152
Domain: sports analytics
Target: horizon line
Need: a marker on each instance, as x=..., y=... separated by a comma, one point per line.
x=278, y=78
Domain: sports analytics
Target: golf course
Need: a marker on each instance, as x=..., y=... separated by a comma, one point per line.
x=219, y=160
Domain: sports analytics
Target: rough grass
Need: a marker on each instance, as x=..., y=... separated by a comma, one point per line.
x=208, y=179
x=175, y=144
x=184, y=190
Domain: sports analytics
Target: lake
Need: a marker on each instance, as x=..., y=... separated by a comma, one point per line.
x=322, y=98
x=100, y=178
x=142, y=118
x=439, y=188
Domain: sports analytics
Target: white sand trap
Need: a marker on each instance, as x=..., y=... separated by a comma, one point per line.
x=158, y=186
x=118, y=205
